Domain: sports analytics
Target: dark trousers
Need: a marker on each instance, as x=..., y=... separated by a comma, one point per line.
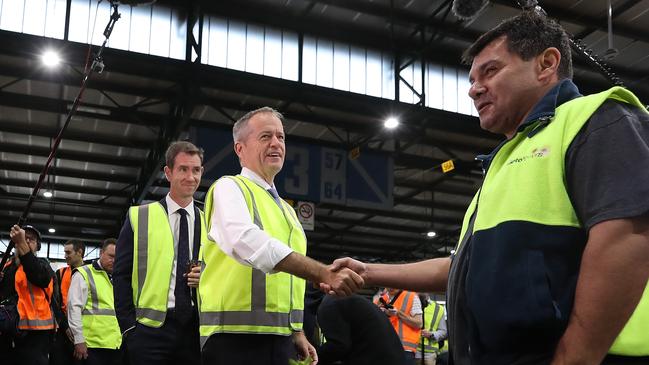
x=29, y=347
x=410, y=357
x=102, y=357
x=173, y=343
x=62, y=349
x=229, y=349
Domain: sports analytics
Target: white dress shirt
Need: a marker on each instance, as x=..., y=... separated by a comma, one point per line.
x=77, y=297
x=234, y=231
x=174, y=223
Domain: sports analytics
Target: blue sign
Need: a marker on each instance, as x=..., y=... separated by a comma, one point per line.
x=311, y=172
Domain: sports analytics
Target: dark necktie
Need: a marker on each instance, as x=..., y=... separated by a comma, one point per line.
x=183, y=297
x=275, y=196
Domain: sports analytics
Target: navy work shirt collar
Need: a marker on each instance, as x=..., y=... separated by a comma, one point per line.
x=564, y=91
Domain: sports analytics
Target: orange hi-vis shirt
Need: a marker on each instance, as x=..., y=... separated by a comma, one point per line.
x=33, y=304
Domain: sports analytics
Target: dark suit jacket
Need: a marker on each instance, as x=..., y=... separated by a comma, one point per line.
x=123, y=269
x=357, y=333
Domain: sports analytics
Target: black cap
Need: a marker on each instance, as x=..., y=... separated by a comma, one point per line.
x=31, y=228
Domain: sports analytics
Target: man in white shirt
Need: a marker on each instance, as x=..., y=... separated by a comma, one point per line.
x=257, y=236
x=91, y=295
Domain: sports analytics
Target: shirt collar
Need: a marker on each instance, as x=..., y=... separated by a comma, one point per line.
x=97, y=265
x=247, y=173
x=564, y=91
x=172, y=206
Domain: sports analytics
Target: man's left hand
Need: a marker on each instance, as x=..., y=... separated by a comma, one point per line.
x=80, y=351
x=194, y=276
x=304, y=347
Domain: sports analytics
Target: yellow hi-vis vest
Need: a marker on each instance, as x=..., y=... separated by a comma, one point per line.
x=153, y=257
x=235, y=298
x=538, y=195
x=100, y=328
x=433, y=315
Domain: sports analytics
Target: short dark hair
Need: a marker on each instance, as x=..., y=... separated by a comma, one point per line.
x=528, y=35
x=107, y=242
x=77, y=245
x=181, y=146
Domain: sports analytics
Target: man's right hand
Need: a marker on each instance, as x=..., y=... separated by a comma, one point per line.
x=341, y=282
x=80, y=351
x=347, y=276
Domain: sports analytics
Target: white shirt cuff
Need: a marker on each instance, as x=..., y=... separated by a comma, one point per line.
x=269, y=255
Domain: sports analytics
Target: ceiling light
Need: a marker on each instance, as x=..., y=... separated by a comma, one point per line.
x=391, y=123
x=47, y=194
x=51, y=230
x=50, y=58
x=431, y=234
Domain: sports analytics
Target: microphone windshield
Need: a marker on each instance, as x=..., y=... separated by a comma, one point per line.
x=467, y=9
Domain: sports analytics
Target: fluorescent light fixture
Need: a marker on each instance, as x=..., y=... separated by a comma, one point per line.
x=50, y=58
x=51, y=230
x=48, y=194
x=391, y=123
x=431, y=234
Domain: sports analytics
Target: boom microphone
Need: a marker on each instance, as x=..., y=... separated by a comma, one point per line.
x=467, y=9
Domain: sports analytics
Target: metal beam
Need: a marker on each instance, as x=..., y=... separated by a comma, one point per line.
x=69, y=172
x=67, y=202
x=62, y=215
x=442, y=188
x=584, y=20
x=57, y=106
x=71, y=135
x=66, y=187
x=390, y=213
x=63, y=154
x=378, y=225
x=72, y=226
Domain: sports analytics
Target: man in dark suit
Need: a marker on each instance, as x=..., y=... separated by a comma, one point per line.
x=356, y=332
x=153, y=279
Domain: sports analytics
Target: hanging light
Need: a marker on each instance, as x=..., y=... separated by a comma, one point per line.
x=391, y=123
x=50, y=59
x=431, y=234
x=51, y=230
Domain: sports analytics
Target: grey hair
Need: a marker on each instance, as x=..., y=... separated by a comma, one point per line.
x=240, y=128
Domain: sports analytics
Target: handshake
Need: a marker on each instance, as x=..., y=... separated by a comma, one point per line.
x=343, y=277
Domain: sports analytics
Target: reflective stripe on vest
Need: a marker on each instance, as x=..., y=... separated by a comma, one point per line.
x=100, y=327
x=250, y=301
x=432, y=324
x=153, y=263
x=408, y=335
x=33, y=303
x=531, y=173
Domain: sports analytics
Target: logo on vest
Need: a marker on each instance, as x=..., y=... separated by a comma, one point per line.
x=538, y=152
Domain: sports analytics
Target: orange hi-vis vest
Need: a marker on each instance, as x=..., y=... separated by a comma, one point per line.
x=33, y=304
x=65, y=278
x=409, y=335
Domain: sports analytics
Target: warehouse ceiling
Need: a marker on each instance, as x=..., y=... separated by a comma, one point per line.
x=111, y=154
